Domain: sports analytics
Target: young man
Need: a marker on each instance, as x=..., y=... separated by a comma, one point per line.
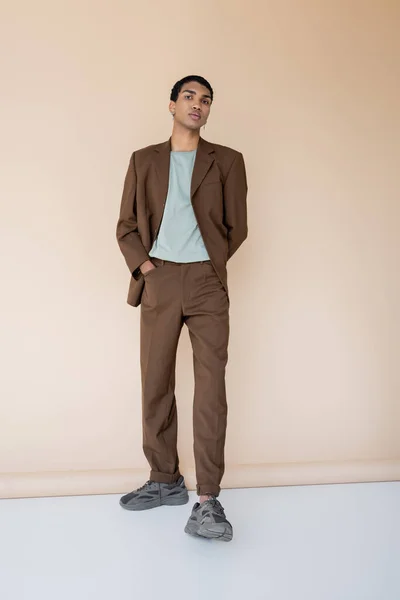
x=183, y=215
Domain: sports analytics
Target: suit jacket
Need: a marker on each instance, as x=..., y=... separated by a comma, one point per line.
x=218, y=194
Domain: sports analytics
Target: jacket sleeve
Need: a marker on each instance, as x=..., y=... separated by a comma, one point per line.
x=128, y=237
x=235, y=207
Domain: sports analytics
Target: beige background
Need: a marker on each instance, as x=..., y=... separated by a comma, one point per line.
x=309, y=92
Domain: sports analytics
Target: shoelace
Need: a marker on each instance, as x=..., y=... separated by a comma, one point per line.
x=143, y=487
x=216, y=506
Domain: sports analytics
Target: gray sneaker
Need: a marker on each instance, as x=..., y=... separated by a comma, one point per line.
x=208, y=520
x=153, y=494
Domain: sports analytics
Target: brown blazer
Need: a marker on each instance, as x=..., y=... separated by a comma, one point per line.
x=218, y=193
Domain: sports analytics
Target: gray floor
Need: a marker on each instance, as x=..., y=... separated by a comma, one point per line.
x=339, y=542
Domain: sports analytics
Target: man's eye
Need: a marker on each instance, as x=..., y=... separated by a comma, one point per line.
x=188, y=97
x=206, y=102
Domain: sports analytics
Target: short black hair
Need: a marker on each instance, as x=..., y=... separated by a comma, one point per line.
x=179, y=85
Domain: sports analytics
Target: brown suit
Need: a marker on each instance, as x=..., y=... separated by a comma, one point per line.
x=193, y=293
x=218, y=192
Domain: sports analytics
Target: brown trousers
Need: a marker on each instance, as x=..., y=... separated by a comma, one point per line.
x=174, y=294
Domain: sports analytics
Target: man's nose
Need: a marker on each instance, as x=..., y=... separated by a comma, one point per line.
x=196, y=107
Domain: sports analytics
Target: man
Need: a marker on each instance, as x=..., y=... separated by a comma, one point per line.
x=183, y=215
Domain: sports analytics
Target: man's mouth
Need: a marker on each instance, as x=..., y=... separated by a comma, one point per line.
x=195, y=116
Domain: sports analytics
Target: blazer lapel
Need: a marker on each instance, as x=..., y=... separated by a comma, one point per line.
x=162, y=162
x=202, y=164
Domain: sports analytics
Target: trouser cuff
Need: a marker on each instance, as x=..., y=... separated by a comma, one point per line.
x=204, y=490
x=159, y=477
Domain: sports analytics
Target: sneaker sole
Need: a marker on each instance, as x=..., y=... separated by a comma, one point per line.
x=216, y=532
x=173, y=501
x=191, y=529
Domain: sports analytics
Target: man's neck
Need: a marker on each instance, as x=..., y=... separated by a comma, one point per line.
x=184, y=140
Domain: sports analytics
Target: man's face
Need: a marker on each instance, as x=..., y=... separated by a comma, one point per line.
x=192, y=106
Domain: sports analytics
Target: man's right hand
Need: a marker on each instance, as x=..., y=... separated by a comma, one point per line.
x=147, y=266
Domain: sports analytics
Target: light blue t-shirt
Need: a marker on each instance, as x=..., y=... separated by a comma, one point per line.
x=179, y=238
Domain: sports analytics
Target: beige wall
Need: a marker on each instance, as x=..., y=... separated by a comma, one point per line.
x=309, y=92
